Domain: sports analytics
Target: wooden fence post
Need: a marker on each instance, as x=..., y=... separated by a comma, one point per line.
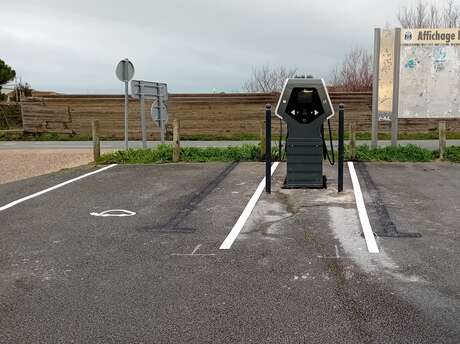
x=176, y=139
x=96, y=140
x=352, y=145
x=442, y=139
x=262, y=139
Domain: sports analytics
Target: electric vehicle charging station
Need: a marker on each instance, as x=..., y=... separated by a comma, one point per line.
x=304, y=104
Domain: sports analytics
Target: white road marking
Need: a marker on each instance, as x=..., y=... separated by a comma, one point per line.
x=338, y=258
x=197, y=247
x=231, y=237
x=362, y=212
x=12, y=204
x=194, y=254
x=115, y=213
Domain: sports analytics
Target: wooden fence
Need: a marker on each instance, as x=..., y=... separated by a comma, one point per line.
x=199, y=114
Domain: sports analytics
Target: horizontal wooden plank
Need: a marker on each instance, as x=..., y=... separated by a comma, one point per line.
x=218, y=114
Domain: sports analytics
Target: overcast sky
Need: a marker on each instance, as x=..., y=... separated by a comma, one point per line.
x=193, y=45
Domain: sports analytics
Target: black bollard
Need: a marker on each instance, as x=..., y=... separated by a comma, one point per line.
x=341, y=146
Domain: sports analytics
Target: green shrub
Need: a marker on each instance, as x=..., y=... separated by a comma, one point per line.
x=453, y=154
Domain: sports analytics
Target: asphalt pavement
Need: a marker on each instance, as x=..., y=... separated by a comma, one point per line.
x=299, y=272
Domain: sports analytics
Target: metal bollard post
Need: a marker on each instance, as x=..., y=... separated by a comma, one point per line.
x=268, y=148
x=341, y=146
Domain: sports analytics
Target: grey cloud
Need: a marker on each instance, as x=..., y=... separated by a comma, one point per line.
x=195, y=46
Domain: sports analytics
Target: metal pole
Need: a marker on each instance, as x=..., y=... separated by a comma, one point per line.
x=375, y=90
x=395, y=110
x=126, y=115
x=142, y=110
x=160, y=115
x=162, y=122
x=268, y=149
x=341, y=146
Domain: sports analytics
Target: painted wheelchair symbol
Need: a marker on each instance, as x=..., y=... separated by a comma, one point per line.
x=115, y=213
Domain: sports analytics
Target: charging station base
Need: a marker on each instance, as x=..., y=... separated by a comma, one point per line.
x=322, y=185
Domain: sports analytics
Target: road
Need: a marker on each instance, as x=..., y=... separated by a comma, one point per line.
x=110, y=145
x=299, y=272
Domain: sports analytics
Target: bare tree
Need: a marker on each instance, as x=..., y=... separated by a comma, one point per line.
x=354, y=73
x=433, y=16
x=266, y=79
x=451, y=15
x=425, y=15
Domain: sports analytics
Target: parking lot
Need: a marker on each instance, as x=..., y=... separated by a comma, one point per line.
x=298, y=272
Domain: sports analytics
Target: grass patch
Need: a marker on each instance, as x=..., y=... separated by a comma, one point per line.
x=221, y=137
x=163, y=154
x=406, y=153
x=243, y=153
x=160, y=154
x=453, y=154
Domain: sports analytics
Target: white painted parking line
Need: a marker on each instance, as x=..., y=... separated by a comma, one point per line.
x=12, y=204
x=362, y=212
x=231, y=237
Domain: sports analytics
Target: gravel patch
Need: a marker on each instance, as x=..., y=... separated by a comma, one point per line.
x=20, y=164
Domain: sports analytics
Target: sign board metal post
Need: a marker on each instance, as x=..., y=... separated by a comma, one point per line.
x=126, y=116
x=125, y=72
x=142, y=110
x=162, y=113
x=395, y=110
x=162, y=134
x=158, y=92
x=375, y=90
x=162, y=122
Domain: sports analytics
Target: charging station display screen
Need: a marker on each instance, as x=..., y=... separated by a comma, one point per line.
x=304, y=105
